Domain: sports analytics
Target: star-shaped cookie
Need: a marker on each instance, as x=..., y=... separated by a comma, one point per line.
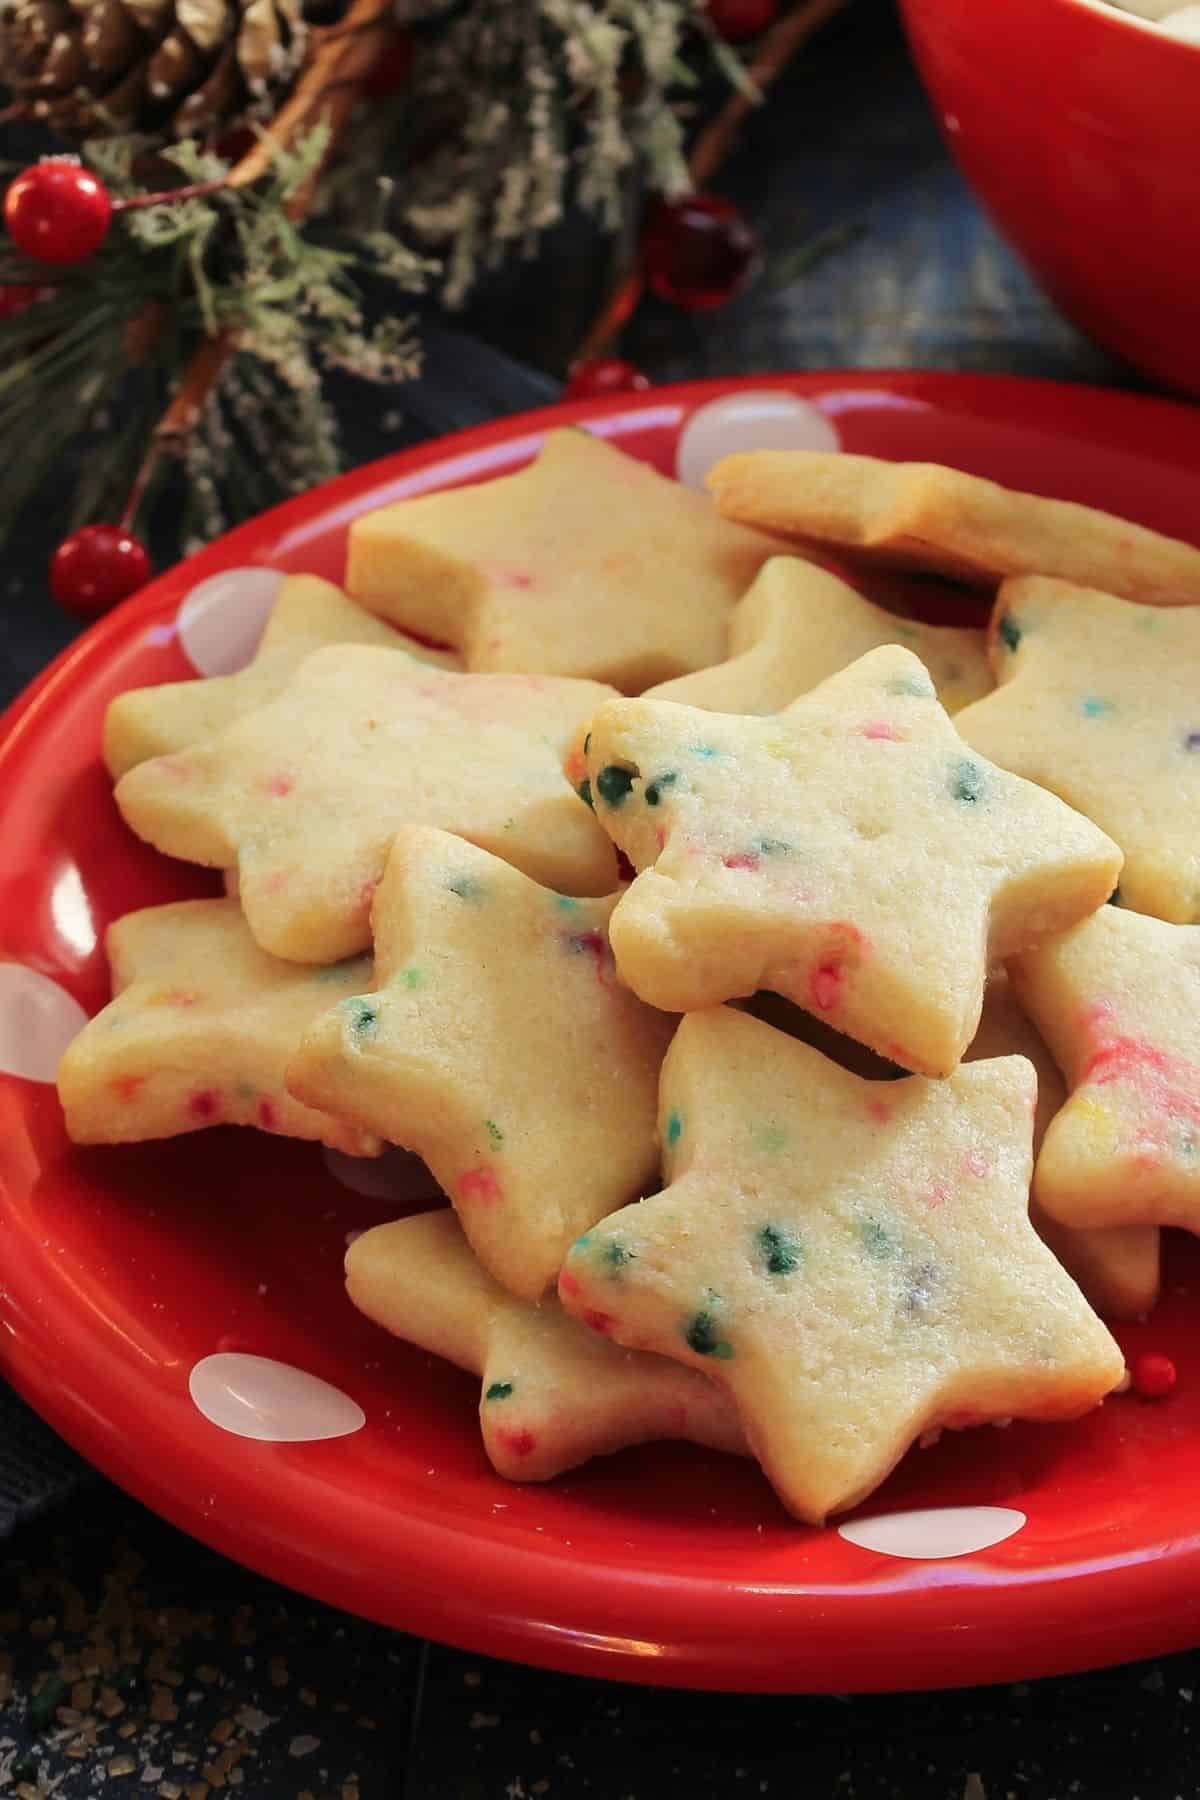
x=851, y=1260
x=554, y=1394
x=850, y=853
x=799, y=624
x=155, y=721
x=199, y=1031
x=499, y=1045
x=925, y=516
x=304, y=795
x=1099, y=701
x=1118, y=1001
x=586, y=563
x=1116, y=1266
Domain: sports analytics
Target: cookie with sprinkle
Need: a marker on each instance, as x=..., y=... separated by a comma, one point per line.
x=1099, y=702
x=1118, y=1001
x=309, y=612
x=198, y=1032
x=304, y=795
x=798, y=624
x=927, y=517
x=588, y=562
x=554, y=1394
x=498, y=1044
x=851, y=1260
x=850, y=853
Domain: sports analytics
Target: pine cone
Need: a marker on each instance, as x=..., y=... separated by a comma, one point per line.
x=170, y=68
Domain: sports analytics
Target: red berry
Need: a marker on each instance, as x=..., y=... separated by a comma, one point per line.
x=95, y=567
x=608, y=375
x=1153, y=1376
x=57, y=211
x=698, y=252
x=16, y=299
x=739, y=20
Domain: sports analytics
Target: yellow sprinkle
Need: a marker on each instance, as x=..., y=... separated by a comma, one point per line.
x=1096, y=1123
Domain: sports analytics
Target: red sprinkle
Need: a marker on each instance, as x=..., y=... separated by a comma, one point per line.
x=599, y=1321
x=879, y=1110
x=480, y=1184
x=567, y=1284
x=745, y=859
x=825, y=985
x=595, y=945
x=128, y=1087
x=268, y=1118
x=206, y=1104
x=882, y=732
x=519, y=1443
x=279, y=785
x=1153, y=1376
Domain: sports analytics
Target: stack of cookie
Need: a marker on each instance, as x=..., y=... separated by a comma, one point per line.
x=742, y=1149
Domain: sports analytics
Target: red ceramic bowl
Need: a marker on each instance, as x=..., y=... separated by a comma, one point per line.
x=1077, y=126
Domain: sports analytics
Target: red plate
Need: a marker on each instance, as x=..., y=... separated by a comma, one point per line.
x=122, y=1269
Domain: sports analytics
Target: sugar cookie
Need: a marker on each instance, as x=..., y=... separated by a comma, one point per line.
x=799, y=624
x=499, y=1046
x=1118, y=1001
x=198, y=1033
x=554, y=1394
x=1100, y=702
x=850, y=853
x=586, y=563
x=155, y=721
x=304, y=795
x=1117, y=1267
x=851, y=1260
x=924, y=516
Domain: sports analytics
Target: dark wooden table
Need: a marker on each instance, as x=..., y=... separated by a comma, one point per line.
x=216, y=1677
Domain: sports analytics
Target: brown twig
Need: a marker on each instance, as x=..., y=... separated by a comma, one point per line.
x=342, y=58
x=712, y=147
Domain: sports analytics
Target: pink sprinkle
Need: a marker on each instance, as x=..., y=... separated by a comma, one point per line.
x=660, y=837
x=518, y=1443
x=976, y=1163
x=206, y=1104
x=366, y=893
x=480, y=1184
x=599, y=1321
x=509, y=578
x=937, y=1195
x=279, y=785
x=745, y=859
x=879, y=1110
x=825, y=986
x=276, y=883
x=127, y=1087
x=881, y=731
x=567, y=1283
x=268, y=1118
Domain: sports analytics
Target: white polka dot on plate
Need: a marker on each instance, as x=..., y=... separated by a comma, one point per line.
x=222, y=619
x=767, y=420
x=273, y=1402
x=935, y=1532
x=396, y=1175
x=38, y=1019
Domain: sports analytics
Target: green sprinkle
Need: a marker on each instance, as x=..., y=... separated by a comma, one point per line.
x=769, y=846
x=781, y=1252
x=495, y=1133
x=877, y=1241
x=1009, y=631
x=1114, y=899
x=499, y=1390
x=769, y=1137
x=613, y=784
x=616, y=1255
x=467, y=887
x=966, y=782
x=1095, y=707
x=674, y=1129
x=585, y=793
x=654, y=791
x=908, y=684
x=412, y=977
x=244, y=1090
x=565, y=904
x=53, y=1693
x=701, y=1336
x=704, y=750
x=363, y=1016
